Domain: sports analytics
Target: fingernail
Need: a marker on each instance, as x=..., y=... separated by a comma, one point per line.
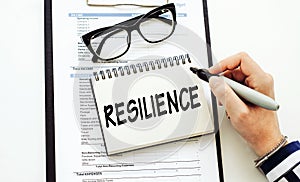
x=214, y=81
x=212, y=67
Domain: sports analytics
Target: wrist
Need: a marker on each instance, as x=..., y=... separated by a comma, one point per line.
x=265, y=157
x=267, y=144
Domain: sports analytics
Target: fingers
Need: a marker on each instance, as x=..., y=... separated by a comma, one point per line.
x=263, y=84
x=241, y=61
x=236, y=75
x=226, y=96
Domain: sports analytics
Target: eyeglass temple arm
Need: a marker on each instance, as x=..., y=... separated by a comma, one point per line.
x=119, y=30
x=99, y=31
x=153, y=15
x=93, y=34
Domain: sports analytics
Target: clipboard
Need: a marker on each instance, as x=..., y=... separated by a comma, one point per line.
x=49, y=94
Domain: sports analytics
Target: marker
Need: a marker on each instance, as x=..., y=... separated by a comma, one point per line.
x=246, y=93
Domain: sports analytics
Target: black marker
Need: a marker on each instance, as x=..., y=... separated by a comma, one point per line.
x=246, y=93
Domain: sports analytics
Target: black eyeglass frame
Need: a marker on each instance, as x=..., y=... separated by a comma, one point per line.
x=129, y=26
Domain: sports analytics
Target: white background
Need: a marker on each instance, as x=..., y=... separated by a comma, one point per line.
x=22, y=136
x=268, y=30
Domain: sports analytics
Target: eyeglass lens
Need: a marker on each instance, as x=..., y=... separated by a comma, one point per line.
x=111, y=43
x=158, y=26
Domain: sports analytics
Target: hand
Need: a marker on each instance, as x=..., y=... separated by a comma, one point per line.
x=258, y=126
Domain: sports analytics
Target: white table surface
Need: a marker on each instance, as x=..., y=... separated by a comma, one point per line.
x=268, y=30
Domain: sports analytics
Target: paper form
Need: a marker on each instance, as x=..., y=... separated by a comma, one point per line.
x=137, y=2
x=80, y=152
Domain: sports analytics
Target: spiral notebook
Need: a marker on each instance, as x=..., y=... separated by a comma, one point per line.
x=145, y=103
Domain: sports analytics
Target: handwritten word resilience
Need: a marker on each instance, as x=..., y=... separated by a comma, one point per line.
x=138, y=108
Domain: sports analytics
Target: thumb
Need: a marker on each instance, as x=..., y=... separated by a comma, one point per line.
x=226, y=96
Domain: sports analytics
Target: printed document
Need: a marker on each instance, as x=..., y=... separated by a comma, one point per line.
x=79, y=145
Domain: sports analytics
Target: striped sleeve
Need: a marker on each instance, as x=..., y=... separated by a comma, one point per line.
x=284, y=165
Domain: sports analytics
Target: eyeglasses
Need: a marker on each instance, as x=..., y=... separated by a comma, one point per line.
x=112, y=42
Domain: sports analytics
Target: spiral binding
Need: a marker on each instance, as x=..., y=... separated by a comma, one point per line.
x=140, y=67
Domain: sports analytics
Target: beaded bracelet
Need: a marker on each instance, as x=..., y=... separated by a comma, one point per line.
x=262, y=159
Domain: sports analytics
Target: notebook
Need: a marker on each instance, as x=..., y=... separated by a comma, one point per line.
x=150, y=102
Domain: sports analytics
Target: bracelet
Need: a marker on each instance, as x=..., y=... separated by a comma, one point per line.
x=262, y=159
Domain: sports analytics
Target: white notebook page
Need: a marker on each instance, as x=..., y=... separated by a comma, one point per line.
x=151, y=106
